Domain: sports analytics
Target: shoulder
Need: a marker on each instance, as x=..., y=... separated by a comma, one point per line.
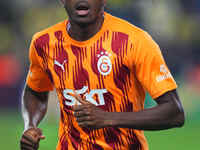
x=46, y=33
x=141, y=39
x=121, y=25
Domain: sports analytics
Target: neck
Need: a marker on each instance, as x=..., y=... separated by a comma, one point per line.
x=83, y=32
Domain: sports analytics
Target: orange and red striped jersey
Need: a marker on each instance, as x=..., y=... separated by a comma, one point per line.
x=113, y=70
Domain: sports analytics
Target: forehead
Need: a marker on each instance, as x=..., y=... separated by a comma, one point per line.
x=82, y=1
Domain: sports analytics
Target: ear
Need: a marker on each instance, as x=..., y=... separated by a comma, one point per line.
x=62, y=1
x=105, y=1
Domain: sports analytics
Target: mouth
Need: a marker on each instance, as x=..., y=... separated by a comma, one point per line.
x=82, y=9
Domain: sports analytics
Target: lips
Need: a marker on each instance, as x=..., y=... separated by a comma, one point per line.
x=82, y=9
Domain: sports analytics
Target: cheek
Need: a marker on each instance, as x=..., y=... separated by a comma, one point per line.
x=98, y=7
x=68, y=9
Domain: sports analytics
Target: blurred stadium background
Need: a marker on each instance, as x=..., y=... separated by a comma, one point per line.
x=174, y=24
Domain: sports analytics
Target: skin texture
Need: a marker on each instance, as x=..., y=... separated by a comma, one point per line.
x=34, y=107
x=82, y=28
x=167, y=114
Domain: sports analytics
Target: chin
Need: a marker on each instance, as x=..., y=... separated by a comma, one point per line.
x=83, y=21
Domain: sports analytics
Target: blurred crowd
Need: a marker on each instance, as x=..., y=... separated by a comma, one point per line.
x=174, y=24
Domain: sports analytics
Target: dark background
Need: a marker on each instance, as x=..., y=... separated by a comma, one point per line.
x=174, y=25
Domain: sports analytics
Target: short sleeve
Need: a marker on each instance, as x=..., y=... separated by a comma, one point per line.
x=151, y=69
x=37, y=77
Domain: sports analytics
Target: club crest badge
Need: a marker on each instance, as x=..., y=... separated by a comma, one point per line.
x=104, y=64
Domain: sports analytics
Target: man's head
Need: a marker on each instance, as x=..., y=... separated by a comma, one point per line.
x=84, y=11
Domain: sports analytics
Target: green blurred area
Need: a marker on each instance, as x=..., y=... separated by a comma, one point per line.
x=185, y=138
x=172, y=23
